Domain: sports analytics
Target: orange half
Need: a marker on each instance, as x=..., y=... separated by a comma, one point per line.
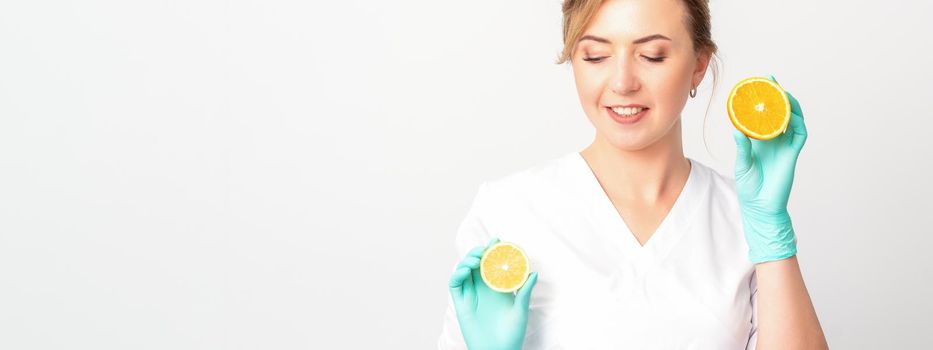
x=504, y=267
x=759, y=108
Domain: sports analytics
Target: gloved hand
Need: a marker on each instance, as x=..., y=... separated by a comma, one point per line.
x=489, y=320
x=764, y=173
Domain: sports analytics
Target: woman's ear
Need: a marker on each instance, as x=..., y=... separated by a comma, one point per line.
x=702, y=64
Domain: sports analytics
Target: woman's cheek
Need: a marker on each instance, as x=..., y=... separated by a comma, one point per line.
x=591, y=85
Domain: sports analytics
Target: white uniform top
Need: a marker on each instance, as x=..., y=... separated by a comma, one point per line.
x=691, y=286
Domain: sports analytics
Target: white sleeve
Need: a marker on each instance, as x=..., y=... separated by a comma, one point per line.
x=753, y=335
x=471, y=233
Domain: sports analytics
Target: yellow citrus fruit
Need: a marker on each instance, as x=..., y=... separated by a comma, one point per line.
x=759, y=108
x=504, y=267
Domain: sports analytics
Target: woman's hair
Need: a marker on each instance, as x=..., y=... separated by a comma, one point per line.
x=579, y=13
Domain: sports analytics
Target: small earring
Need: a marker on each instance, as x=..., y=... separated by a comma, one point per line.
x=693, y=92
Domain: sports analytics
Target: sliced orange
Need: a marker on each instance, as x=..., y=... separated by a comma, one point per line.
x=504, y=267
x=759, y=108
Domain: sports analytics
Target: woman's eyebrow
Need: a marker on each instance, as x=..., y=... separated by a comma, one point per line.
x=636, y=41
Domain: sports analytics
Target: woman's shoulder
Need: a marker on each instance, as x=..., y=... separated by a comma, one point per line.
x=721, y=186
x=715, y=176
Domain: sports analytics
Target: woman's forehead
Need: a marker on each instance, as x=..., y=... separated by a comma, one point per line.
x=622, y=22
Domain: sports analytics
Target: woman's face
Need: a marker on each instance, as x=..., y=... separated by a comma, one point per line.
x=634, y=66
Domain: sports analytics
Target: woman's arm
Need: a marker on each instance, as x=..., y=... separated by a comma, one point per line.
x=764, y=175
x=786, y=318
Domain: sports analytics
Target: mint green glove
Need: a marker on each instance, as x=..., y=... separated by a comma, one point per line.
x=764, y=174
x=489, y=320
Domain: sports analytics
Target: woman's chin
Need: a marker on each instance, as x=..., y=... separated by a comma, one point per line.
x=629, y=141
x=628, y=146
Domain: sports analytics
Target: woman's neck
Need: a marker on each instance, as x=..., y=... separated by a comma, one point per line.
x=648, y=175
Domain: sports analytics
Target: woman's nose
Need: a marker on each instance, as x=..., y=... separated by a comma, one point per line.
x=625, y=80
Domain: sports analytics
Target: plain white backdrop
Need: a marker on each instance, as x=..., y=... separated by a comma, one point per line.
x=290, y=174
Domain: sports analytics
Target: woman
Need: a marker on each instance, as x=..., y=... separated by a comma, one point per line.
x=638, y=246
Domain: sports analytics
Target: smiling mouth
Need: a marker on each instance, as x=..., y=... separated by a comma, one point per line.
x=627, y=117
x=627, y=111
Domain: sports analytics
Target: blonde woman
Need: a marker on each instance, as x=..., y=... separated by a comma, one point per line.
x=638, y=246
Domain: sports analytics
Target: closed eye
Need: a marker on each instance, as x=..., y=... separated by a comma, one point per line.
x=599, y=59
x=654, y=59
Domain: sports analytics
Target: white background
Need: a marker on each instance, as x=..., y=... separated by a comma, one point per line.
x=290, y=175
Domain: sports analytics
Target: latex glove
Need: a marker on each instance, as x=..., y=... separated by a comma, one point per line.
x=489, y=320
x=764, y=174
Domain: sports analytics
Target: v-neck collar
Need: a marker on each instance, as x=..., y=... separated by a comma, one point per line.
x=668, y=232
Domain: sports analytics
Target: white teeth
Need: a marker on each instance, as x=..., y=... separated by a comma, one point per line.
x=627, y=111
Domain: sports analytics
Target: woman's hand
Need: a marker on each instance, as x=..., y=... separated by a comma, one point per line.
x=489, y=319
x=764, y=174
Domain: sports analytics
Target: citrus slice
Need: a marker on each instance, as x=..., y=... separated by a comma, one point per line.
x=759, y=108
x=504, y=267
